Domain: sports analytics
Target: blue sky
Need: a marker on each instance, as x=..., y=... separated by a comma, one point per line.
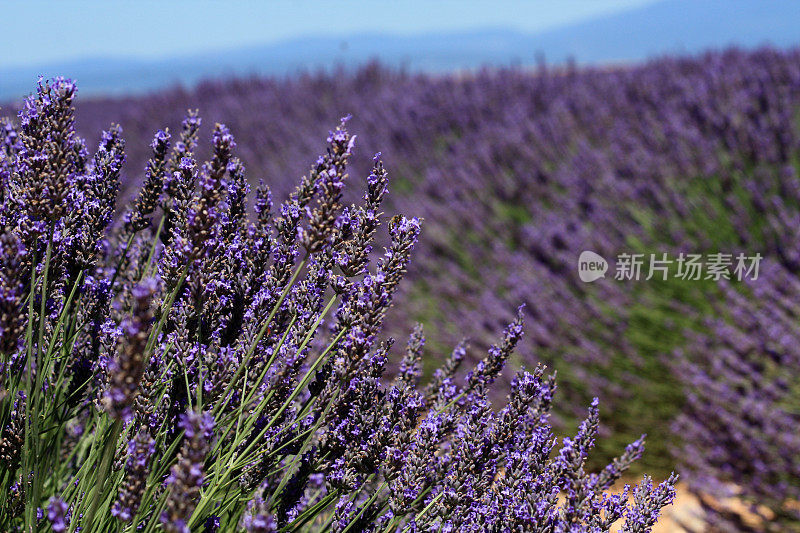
x=34, y=32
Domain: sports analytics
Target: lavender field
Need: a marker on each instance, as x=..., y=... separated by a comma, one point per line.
x=512, y=173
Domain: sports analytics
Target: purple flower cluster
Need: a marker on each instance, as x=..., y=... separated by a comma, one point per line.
x=140, y=450
x=126, y=369
x=186, y=476
x=186, y=366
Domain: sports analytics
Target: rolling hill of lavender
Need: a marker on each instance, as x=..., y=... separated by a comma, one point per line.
x=516, y=172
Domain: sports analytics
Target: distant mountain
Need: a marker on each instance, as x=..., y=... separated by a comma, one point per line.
x=675, y=27
x=434, y=52
x=669, y=26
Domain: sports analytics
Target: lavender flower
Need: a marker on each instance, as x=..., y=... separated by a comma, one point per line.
x=409, y=371
x=136, y=218
x=140, y=449
x=486, y=371
x=51, y=154
x=125, y=371
x=186, y=476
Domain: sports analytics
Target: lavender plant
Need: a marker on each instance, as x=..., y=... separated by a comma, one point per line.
x=190, y=368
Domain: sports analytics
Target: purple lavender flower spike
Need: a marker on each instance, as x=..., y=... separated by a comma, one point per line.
x=186, y=476
x=126, y=369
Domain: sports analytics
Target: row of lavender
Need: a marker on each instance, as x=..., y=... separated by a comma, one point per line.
x=185, y=368
x=515, y=173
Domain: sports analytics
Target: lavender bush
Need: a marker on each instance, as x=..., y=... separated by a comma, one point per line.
x=188, y=367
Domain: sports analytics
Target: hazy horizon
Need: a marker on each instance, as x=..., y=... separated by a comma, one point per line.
x=149, y=30
x=129, y=48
